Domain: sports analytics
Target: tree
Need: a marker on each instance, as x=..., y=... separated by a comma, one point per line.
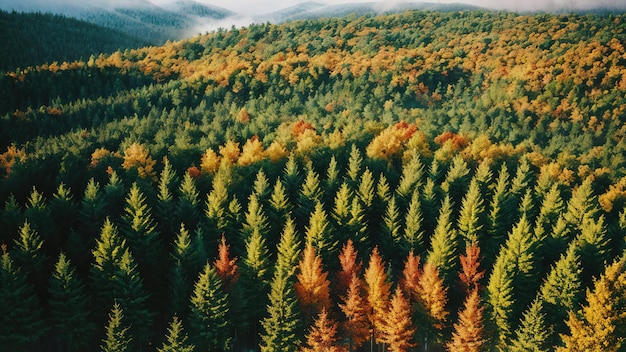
x=470, y=262
x=500, y=300
x=601, y=324
x=117, y=336
x=412, y=174
x=471, y=216
x=323, y=335
x=444, y=253
x=176, y=339
x=137, y=156
x=391, y=240
x=226, y=268
x=433, y=297
x=469, y=331
x=312, y=287
x=21, y=321
x=356, y=326
x=378, y=291
x=413, y=234
x=165, y=206
x=350, y=266
x=209, y=311
x=355, y=163
x=69, y=307
x=532, y=334
x=187, y=207
x=310, y=193
x=29, y=256
x=319, y=234
x=398, y=330
x=108, y=253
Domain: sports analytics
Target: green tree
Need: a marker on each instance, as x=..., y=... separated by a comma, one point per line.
x=412, y=175
x=69, y=307
x=413, y=234
x=117, y=335
x=501, y=301
x=165, y=206
x=391, y=242
x=209, y=311
x=21, y=322
x=176, y=339
x=456, y=180
x=355, y=163
x=320, y=235
x=444, y=252
x=310, y=194
x=532, y=334
x=471, y=220
x=29, y=256
x=279, y=205
x=187, y=207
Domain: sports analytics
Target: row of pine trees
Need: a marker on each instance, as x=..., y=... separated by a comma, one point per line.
x=456, y=255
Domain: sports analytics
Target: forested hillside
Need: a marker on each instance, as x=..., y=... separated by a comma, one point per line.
x=421, y=181
x=35, y=38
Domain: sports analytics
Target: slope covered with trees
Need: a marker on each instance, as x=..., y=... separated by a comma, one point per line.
x=420, y=181
x=34, y=38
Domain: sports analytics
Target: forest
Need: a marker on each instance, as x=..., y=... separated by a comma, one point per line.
x=423, y=181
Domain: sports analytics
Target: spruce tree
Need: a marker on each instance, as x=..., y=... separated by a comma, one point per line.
x=471, y=218
x=165, y=206
x=21, y=322
x=501, y=301
x=457, y=178
x=176, y=339
x=469, y=332
x=378, y=291
x=279, y=205
x=355, y=163
x=532, y=334
x=64, y=210
x=313, y=286
x=188, y=205
x=412, y=174
x=114, y=196
x=391, y=241
x=30, y=257
x=117, y=338
x=39, y=215
x=310, y=194
x=413, y=233
x=320, y=235
x=341, y=211
x=444, y=252
x=69, y=307
x=209, y=311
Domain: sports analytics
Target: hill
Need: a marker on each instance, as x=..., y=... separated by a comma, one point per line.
x=35, y=38
x=264, y=187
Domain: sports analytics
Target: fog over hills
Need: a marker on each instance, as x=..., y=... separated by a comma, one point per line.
x=159, y=20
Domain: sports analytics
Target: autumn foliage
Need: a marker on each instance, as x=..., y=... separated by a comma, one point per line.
x=391, y=141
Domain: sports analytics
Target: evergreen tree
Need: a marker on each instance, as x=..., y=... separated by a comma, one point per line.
x=261, y=187
x=320, y=235
x=366, y=189
x=288, y=250
x=30, y=257
x=332, y=177
x=21, y=321
x=186, y=262
x=391, y=241
x=292, y=178
x=357, y=226
x=209, y=312
x=310, y=194
x=165, y=207
x=92, y=213
x=469, y=331
x=187, y=207
x=412, y=174
x=561, y=292
x=398, y=330
x=69, y=310
x=444, y=253
x=64, y=211
x=355, y=163
x=383, y=190
x=114, y=196
x=322, y=335
x=413, y=234
x=582, y=206
x=117, y=335
x=226, y=268
x=470, y=262
x=39, y=215
x=176, y=339
x=471, y=220
x=350, y=266
x=594, y=247
x=11, y=218
x=341, y=211
x=532, y=334
x=499, y=216
x=279, y=205
x=601, y=324
x=456, y=180
x=431, y=201
x=500, y=301
x=434, y=298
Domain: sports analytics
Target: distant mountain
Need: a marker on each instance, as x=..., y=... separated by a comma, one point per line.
x=36, y=38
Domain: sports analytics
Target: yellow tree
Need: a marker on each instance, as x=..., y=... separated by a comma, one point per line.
x=398, y=330
x=378, y=291
x=313, y=287
x=137, y=156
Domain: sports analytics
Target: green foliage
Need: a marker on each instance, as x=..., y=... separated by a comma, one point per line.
x=117, y=338
x=176, y=339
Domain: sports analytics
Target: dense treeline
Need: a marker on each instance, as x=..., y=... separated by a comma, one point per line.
x=420, y=181
x=29, y=39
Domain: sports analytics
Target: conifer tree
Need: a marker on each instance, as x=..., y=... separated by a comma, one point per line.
x=217, y=205
x=30, y=257
x=594, y=247
x=431, y=201
x=323, y=335
x=341, y=210
x=456, y=180
x=391, y=241
x=383, y=190
x=64, y=211
x=255, y=218
x=522, y=180
x=413, y=234
x=582, y=206
x=470, y=274
x=378, y=290
x=412, y=174
x=310, y=194
x=601, y=324
x=176, y=339
x=398, y=330
x=356, y=326
x=561, y=292
x=469, y=332
x=332, y=178
x=279, y=205
x=21, y=320
x=499, y=217
x=320, y=235
x=292, y=178
x=471, y=220
x=410, y=280
x=209, y=311
x=117, y=338
x=92, y=211
x=357, y=226
x=281, y=325
x=434, y=298
x=350, y=266
x=355, y=163
x=366, y=189
x=261, y=187
x=12, y=218
x=165, y=207
x=39, y=215
x=532, y=334
x=188, y=204
x=226, y=268
x=444, y=253
x=114, y=196
x=500, y=301
x=312, y=287
x=186, y=263
x=69, y=310
x=108, y=253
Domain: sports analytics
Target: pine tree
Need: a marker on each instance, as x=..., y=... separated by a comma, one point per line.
x=456, y=180
x=350, y=266
x=341, y=211
x=312, y=287
x=117, y=335
x=114, y=196
x=378, y=291
x=499, y=216
x=332, y=177
x=310, y=194
x=69, y=310
x=582, y=206
x=176, y=339
x=355, y=163
x=469, y=331
x=561, y=292
x=64, y=211
x=255, y=218
x=366, y=189
x=165, y=207
x=444, y=253
x=412, y=174
x=39, y=215
x=391, y=242
x=594, y=247
x=108, y=253
x=356, y=326
x=532, y=334
x=30, y=257
x=209, y=312
x=11, y=218
x=383, y=190
x=500, y=300
x=398, y=330
x=601, y=324
x=320, y=235
x=413, y=234
x=433, y=297
x=186, y=262
x=470, y=262
x=279, y=205
x=187, y=207
x=471, y=217
x=431, y=200
x=261, y=187
x=357, y=226
x=292, y=178
x=21, y=320
x=281, y=325
x=92, y=215
x=323, y=335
